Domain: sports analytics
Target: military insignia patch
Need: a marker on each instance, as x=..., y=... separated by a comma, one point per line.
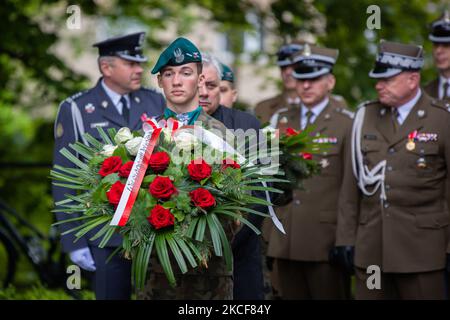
x=179, y=56
x=324, y=163
x=284, y=120
x=421, y=113
x=306, y=50
x=59, y=130
x=89, y=108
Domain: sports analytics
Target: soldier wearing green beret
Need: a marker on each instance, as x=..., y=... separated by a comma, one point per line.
x=228, y=92
x=179, y=70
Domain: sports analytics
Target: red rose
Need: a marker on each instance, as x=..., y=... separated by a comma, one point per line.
x=125, y=170
x=230, y=163
x=306, y=156
x=199, y=171
x=115, y=193
x=162, y=188
x=160, y=217
x=159, y=161
x=291, y=132
x=110, y=165
x=202, y=198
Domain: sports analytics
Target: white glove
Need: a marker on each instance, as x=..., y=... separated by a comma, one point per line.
x=83, y=258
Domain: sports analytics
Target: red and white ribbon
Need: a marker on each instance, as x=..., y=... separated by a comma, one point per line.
x=137, y=174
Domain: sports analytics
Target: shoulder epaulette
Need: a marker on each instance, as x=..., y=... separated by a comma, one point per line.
x=367, y=103
x=76, y=96
x=345, y=112
x=441, y=104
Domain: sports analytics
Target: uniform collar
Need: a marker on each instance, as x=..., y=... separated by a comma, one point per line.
x=317, y=109
x=442, y=81
x=187, y=118
x=406, y=108
x=114, y=96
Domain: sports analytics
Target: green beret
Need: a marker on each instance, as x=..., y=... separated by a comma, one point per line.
x=227, y=73
x=179, y=52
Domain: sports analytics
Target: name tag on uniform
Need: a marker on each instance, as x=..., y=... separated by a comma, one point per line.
x=99, y=124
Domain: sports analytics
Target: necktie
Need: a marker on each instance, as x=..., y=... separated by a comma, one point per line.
x=309, y=115
x=445, y=94
x=395, y=122
x=125, y=110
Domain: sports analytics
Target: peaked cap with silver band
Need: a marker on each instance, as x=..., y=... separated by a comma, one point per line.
x=440, y=29
x=394, y=57
x=128, y=47
x=313, y=62
x=285, y=53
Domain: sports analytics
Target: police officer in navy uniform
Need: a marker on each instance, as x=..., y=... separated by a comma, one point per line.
x=117, y=100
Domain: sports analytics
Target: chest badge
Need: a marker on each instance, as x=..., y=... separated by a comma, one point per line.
x=284, y=120
x=89, y=108
x=411, y=145
x=324, y=163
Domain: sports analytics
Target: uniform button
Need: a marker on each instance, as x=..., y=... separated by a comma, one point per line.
x=389, y=168
x=391, y=150
x=386, y=205
x=297, y=202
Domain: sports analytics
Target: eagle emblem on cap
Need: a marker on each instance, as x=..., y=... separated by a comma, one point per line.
x=179, y=56
x=306, y=50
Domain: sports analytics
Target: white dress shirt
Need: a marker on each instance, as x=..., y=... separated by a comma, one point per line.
x=316, y=110
x=442, y=81
x=405, y=109
x=115, y=97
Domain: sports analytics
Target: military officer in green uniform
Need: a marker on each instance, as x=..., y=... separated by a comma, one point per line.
x=266, y=112
x=179, y=70
x=393, y=205
x=440, y=36
x=302, y=254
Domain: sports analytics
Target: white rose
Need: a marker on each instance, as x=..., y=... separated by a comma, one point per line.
x=133, y=145
x=185, y=140
x=123, y=135
x=108, y=150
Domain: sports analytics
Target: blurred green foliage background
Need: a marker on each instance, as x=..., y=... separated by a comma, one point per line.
x=34, y=80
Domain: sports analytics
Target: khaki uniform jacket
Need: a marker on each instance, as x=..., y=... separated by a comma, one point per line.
x=264, y=110
x=432, y=88
x=310, y=219
x=408, y=233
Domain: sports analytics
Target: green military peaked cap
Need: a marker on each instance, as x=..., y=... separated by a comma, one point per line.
x=227, y=73
x=179, y=52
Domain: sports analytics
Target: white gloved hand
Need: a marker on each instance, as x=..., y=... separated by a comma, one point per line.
x=83, y=258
